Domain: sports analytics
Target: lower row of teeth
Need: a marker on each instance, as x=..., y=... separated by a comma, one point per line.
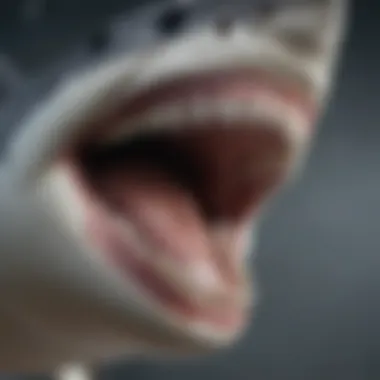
x=266, y=109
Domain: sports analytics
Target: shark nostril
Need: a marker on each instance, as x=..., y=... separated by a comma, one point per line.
x=98, y=41
x=301, y=42
x=264, y=10
x=172, y=20
x=224, y=25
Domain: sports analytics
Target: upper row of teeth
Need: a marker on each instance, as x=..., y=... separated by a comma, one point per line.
x=268, y=110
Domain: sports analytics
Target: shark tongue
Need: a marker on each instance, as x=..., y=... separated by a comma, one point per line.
x=161, y=207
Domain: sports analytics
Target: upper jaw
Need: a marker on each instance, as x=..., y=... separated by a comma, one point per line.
x=92, y=95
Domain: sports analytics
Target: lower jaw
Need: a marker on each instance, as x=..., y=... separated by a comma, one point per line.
x=126, y=261
x=162, y=293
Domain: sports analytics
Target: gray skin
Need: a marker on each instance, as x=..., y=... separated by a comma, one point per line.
x=61, y=304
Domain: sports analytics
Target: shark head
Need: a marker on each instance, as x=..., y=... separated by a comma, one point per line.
x=130, y=195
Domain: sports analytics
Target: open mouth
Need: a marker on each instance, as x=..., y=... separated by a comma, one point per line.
x=173, y=182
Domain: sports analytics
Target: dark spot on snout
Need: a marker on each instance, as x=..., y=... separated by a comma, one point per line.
x=224, y=25
x=172, y=20
x=98, y=40
x=302, y=43
x=264, y=10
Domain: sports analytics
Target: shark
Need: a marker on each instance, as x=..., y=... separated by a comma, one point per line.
x=132, y=193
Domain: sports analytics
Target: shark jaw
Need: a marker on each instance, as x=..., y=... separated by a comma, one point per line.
x=164, y=190
x=130, y=195
x=151, y=172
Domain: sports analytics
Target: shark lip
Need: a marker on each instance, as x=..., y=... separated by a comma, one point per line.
x=233, y=87
x=169, y=195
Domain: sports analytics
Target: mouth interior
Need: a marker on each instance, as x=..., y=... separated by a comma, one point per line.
x=178, y=188
x=226, y=177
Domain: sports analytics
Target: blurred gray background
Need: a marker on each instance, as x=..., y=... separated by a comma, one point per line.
x=319, y=259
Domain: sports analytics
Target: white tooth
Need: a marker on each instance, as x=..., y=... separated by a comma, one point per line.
x=253, y=111
x=235, y=111
x=162, y=117
x=272, y=109
x=154, y=118
x=124, y=130
x=231, y=110
x=199, y=109
x=174, y=116
x=256, y=110
x=214, y=109
x=165, y=117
